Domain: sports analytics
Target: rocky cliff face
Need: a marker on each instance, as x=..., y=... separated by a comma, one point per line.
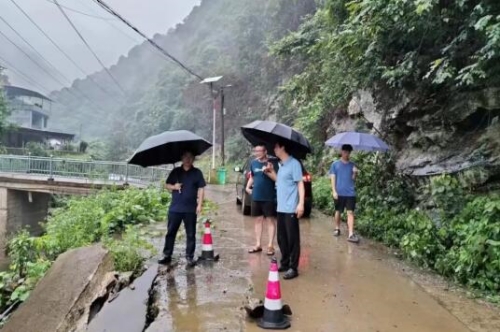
x=463, y=134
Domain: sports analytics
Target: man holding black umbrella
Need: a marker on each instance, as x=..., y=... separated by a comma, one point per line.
x=187, y=186
x=290, y=194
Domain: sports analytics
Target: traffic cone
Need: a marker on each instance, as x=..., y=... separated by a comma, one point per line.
x=273, y=318
x=207, y=250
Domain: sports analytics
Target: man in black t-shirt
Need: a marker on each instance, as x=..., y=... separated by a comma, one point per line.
x=263, y=191
x=187, y=186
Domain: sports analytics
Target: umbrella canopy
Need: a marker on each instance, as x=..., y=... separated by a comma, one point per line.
x=359, y=141
x=168, y=147
x=269, y=133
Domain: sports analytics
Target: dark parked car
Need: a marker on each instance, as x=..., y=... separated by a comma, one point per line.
x=245, y=200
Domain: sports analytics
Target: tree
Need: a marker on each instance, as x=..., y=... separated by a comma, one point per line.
x=4, y=79
x=4, y=111
x=425, y=51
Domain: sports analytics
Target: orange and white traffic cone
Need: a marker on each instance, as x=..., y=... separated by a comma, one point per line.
x=273, y=318
x=207, y=250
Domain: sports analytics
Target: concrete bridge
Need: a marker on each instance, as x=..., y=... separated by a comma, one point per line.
x=27, y=184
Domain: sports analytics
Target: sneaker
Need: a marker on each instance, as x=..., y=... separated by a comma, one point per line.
x=165, y=260
x=290, y=274
x=283, y=269
x=336, y=232
x=353, y=238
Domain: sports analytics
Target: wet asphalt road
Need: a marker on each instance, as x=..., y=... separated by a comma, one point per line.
x=341, y=287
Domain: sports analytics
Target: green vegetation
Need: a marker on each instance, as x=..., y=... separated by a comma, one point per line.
x=115, y=218
x=4, y=112
x=301, y=63
x=440, y=226
x=222, y=37
x=425, y=50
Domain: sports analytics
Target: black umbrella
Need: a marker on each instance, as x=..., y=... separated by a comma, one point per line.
x=168, y=147
x=269, y=133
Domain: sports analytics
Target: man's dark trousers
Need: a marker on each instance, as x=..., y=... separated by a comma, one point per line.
x=289, y=240
x=174, y=222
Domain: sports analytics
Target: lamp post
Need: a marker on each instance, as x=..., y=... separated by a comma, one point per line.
x=210, y=81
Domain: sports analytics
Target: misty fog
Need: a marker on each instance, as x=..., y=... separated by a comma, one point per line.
x=107, y=36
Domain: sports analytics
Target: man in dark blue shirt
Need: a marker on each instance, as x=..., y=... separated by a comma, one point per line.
x=263, y=191
x=187, y=186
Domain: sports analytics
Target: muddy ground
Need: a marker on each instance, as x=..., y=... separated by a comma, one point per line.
x=341, y=287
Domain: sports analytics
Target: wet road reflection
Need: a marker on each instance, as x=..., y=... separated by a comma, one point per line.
x=341, y=287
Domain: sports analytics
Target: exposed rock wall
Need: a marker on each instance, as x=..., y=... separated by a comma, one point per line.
x=461, y=134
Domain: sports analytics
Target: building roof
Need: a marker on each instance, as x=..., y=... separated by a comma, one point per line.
x=13, y=91
x=45, y=132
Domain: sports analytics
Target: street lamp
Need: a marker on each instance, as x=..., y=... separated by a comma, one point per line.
x=210, y=81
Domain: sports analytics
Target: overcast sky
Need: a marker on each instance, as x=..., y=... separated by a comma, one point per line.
x=108, y=37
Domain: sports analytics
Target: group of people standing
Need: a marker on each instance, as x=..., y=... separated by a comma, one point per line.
x=277, y=191
x=283, y=201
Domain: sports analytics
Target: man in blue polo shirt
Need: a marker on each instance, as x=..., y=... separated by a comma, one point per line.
x=290, y=194
x=187, y=186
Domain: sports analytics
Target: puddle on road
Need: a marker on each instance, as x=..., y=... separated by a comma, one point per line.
x=210, y=296
x=345, y=287
x=129, y=311
x=342, y=287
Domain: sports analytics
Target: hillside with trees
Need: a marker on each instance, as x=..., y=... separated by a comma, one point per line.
x=222, y=37
x=422, y=74
x=402, y=68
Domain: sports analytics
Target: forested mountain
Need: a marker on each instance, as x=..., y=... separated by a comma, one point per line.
x=424, y=74
x=219, y=37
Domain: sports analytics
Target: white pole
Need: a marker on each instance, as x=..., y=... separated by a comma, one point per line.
x=214, y=126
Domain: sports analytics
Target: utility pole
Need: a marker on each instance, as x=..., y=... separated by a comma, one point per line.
x=211, y=81
x=222, y=125
x=222, y=114
x=214, y=123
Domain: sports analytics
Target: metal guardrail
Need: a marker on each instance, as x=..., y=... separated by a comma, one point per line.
x=26, y=152
x=94, y=171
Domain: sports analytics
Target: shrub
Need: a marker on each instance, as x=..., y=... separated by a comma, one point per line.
x=37, y=149
x=322, y=197
x=81, y=221
x=459, y=238
x=473, y=257
x=129, y=251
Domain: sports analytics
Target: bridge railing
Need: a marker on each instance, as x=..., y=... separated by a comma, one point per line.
x=95, y=171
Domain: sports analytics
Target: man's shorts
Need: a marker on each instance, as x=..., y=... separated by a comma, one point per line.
x=345, y=203
x=264, y=209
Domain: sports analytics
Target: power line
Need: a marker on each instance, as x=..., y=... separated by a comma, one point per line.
x=26, y=78
x=31, y=58
x=89, y=48
x=82, y=13
x=111, y=23
x=48, y=73
x=41, y=56
x=61, y=50
x=24, y=75
x=152, y=42
x=33, y=48
x=29, y=80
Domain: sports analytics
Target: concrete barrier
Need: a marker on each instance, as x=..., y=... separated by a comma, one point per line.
x=61, y=300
